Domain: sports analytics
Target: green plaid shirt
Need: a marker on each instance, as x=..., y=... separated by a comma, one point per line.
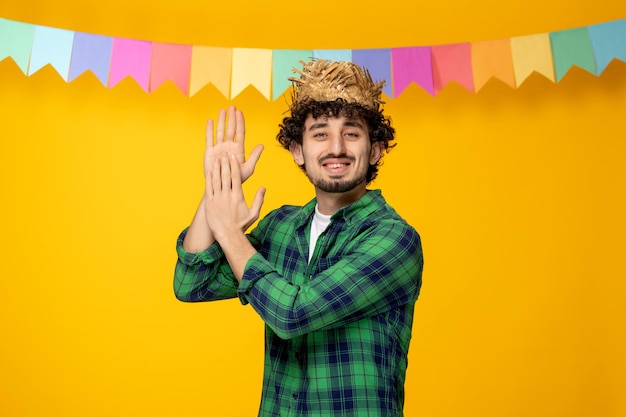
x=337, y=328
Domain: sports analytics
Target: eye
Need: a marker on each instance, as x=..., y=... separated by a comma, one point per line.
x=352, y=134
x=319, y=135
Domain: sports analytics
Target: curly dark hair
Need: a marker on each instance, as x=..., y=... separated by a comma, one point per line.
x=379, y=125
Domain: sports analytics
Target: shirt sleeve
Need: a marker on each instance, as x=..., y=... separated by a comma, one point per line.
x=382, y=272
x=203, y=276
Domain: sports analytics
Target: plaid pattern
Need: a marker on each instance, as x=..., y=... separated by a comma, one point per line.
x=337, y=328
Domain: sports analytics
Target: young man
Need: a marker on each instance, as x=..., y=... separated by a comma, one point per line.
x=336, y=280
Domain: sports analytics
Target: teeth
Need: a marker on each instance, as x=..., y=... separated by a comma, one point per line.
x=335, y=165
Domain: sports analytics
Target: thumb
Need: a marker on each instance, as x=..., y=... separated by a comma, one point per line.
x=255, y=208
x=255, y=155
x=257, y=203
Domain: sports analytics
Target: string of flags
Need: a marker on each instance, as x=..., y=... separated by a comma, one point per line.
x=231, y=70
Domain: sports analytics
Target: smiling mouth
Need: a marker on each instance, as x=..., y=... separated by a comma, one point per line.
x=335, y=165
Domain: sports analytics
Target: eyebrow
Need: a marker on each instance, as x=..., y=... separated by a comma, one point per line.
x=318, y=126
x=348, y=123
x=354, y=123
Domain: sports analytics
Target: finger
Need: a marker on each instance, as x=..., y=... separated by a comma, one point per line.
x=208, y=184
x=216, y=178
x=235, y=176
x=221, y=123
x=241, y=127
x=208, y=163
x=225, y=167
x=254, y=156
x=209, y=134
x=231, y=130
x=257, y=203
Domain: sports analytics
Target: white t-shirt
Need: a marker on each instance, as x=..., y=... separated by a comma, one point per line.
x=319, y=223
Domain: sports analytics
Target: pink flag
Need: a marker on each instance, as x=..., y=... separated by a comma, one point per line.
x=412, y=64
x=452, y=63
x=170, y=62
x=130, y=58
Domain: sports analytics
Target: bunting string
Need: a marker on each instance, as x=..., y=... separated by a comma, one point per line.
x=231, y=70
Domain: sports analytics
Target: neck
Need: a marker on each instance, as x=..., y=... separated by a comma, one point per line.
x=329, y=203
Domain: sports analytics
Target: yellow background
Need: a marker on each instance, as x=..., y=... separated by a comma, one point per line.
x=518, y=195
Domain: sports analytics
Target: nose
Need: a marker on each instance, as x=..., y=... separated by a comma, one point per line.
x=337, y=144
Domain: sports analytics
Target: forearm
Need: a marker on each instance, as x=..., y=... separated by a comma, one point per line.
x=292, y=311
x=202, y=276
x=199, y=236
x=350, y=287
x=238, y=251
x=194, y=283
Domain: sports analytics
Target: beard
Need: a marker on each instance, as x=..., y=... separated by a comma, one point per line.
x=338, y=186
x=335, y=186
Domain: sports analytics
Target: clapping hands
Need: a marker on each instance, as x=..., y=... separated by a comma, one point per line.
x=226, y=168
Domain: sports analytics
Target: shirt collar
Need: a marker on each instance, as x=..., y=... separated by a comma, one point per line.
x=358, y=211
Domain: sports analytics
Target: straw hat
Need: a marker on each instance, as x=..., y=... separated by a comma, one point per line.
x=324, y=80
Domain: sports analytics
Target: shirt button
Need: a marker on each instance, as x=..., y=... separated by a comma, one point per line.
x=295, y=395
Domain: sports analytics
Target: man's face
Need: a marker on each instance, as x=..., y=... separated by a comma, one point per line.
x=336, y=153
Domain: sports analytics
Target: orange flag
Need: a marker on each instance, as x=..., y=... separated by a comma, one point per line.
x=492, y=59
x=210, y=65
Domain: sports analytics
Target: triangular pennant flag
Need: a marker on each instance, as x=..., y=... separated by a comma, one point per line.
x=16, y=42
x=170, y=62
x=251, y=67
x=492, y=59
x=608, y=41
x=211, y=65
x=333, y=54
x=51, y=46
x=131, y=58
x=378, y=63
x=93, y=53
x=191, y=68
x=412, y=64
x=572, y=47
x=532, y=53
x=283, y=62
x=452, y=63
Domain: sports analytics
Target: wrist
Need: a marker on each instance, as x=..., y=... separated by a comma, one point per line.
x=238, y=251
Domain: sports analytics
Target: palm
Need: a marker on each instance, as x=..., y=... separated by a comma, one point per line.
x=230, y=140
x=217, y=150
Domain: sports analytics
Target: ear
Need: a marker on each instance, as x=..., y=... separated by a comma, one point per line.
x=376, y=152
x=296, y=151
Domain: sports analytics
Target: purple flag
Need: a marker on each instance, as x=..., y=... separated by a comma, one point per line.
x=91, y=52
x=377, y=62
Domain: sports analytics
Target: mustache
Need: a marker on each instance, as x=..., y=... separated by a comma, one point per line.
x=333, y=156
